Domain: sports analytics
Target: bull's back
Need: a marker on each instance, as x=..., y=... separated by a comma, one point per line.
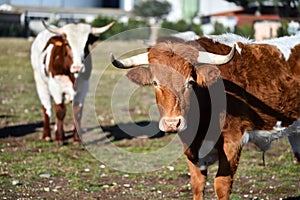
x=262, y=79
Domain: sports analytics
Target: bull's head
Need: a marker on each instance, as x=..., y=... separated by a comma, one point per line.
x=174, y=71
x=77, y=36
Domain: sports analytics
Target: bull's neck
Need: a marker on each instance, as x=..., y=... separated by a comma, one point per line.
x=200, y=123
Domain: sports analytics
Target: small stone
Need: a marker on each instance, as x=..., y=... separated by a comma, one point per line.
x=45, y=175
x=87, y=170
x=46, y=189
x=16, y=182
x=126, y=185
x=102, y=166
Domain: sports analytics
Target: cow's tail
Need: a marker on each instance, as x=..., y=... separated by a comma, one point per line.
x=263, y=139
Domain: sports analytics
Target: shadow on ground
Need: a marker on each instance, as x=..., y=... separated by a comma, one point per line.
x=131, y=130
x=20, y=130
x=116, y=132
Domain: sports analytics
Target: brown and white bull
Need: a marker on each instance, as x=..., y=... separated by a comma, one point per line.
x=62, y=67
x=261, y=85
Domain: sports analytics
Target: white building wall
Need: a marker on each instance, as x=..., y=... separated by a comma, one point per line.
x=176, y=10
x=266, y=29
x=215, y=6
x=58, y=3
x=127, y=5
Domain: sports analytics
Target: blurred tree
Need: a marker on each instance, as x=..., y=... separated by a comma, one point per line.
x=152, y=8
x=153, y=11
x=182, y=26
x=118, y=27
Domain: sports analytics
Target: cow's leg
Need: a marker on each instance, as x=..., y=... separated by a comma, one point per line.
x=229, y=154
x=46, y=129
x=81, y=87
x=198, y=180
x=77, y=114
x=60, y=112
x=44, y=96
x=295, y=144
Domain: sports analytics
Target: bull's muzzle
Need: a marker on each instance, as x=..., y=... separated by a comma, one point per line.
x=175, y=124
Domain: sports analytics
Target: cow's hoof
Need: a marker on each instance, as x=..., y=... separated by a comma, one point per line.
x=47, y=139
x=60, y=143
x=297, y=156
x=77, y=142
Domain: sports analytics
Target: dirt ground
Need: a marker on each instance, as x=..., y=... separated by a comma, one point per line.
x=91, y=179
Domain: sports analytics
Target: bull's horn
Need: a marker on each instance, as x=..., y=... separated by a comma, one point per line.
x=58, y=31
x=140, y=59
x=210, y=58
x=99, y=30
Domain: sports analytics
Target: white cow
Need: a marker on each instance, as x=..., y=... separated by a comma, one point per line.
x=62, y=67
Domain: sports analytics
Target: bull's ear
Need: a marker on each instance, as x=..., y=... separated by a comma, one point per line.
x=207, y=74
x=140, y=76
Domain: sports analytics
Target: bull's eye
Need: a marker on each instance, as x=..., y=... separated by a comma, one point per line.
x=189, y=83
x=154, y=83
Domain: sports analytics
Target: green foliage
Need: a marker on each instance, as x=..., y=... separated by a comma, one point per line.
x=245, y=30
x=179, y=26
x=182, y=26
x=152, y=8
x=283, y=31
x=12, y=30
x=118, y=27
x=220, y=29
x=197, y=29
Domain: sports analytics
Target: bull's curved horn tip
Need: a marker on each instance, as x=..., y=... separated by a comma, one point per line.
x=115, y=62
x=112, y=57
x=44, y=23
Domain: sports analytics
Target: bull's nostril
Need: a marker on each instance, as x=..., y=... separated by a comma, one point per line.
x=178, y=123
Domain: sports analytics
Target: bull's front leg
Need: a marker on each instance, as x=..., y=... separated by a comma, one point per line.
x=229, y=154
x=46, y=129
x=198, y=180
x=60, y=113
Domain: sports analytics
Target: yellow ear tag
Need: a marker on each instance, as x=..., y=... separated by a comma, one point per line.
x=58, y=43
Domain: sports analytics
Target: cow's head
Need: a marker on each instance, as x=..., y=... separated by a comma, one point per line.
x=60, y=57
x=78, y=37
x=174, y=71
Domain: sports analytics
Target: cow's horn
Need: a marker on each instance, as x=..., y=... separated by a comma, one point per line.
x=140, y=59
x=210, y=58
x=58, y=31
x=99, y=30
